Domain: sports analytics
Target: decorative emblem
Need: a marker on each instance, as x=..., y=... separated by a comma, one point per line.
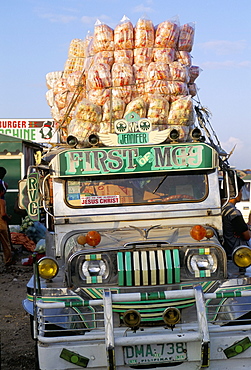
x=133, y=130
x=121, y=126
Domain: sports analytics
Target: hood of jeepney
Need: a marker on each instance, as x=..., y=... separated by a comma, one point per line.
x=153, y=234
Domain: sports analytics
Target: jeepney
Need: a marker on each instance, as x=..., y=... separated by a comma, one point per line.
x=135, y=275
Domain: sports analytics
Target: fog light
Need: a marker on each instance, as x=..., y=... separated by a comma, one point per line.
x=171, y=316
x=242, y=256
x=47, y=268
x=132, y=318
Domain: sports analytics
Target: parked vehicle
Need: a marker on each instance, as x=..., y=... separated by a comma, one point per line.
x=135, y=275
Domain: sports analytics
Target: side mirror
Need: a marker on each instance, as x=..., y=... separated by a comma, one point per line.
x=228, y=185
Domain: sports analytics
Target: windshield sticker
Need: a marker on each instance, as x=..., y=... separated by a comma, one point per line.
x=96, y=200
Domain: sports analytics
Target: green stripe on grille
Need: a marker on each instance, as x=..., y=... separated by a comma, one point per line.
x=176, y=263
x=94, y=279
x=202, y=273
x=120, y=268
x=128, y=268
x=150, y=267
x=169, y=266
x=201, y=251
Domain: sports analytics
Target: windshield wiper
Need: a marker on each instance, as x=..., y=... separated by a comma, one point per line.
x=160, y=183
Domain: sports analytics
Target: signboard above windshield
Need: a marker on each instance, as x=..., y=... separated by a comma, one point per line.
x=105, y=161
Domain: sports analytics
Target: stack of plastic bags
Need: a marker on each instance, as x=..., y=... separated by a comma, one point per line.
x=146, y=69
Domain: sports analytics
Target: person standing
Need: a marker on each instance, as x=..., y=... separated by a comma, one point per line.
x=4, y=233
x=4, y=183
x=235, y=230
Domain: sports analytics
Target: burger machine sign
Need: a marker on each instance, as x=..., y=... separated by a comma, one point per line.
x=37, y=130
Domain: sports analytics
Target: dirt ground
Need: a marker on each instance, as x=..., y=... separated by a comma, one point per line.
x=17, y=346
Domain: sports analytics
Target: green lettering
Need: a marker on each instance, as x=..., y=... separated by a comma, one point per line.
x=171, y=350
x=162, y=348
x=129, y=352
x=72, y=162
x=33, y=134
x=139, y=350
x=195, y=155
x=32, y=188
x=33, y=209
x=180, y=348
x=26, y=134
x=180, y=156
x=148, y=350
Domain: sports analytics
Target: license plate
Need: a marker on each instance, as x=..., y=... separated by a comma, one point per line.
x=155, y=353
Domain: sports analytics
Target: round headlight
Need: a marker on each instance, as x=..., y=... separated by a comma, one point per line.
x=204, y=262
x=242, y=256
x=47, y=268
x=95, y=268
x=132, y=318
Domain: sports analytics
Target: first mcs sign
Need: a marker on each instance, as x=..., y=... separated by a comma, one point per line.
x=37, y=130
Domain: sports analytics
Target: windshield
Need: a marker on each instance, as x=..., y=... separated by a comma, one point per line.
x=124, y=190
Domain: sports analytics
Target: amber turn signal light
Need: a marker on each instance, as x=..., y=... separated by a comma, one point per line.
x=93, y=238
x=198, y=232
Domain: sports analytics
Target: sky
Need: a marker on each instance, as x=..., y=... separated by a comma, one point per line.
x=36, y=34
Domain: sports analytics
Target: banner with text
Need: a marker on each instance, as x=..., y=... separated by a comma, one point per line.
x=38, y=130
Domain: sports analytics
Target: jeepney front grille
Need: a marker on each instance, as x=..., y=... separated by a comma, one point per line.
x=147, y=268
